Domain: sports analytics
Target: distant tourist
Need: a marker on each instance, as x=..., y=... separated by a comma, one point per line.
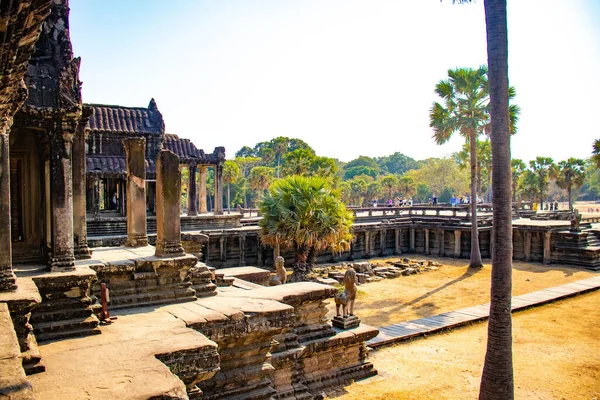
x=375, y=202
x=390, y=202
x=115, y=202
x=434, y=200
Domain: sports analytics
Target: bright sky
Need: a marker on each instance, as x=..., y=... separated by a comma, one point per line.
x=348, y=77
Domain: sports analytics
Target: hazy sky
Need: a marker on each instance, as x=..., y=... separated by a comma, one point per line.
x=348, y=77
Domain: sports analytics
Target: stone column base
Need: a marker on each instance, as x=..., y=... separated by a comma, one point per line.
x=8, y=281
x=169, y=249
x=64, y=263
x=137, y=240
x=347, y=322
x=82, y=251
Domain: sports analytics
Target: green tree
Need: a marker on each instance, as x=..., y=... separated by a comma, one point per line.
x=306, y=215
x=324, y=167
x=358, y=189
x=260, y=179
x=373, y=190
x=246, y=164
x=596, y=153
x=298, y=162
x=231, y=173
x=517, y=168
x=397, y=163
x=390, y=183
x=280, y=145
x=571, y=174
x=543, y=168
x=465, y=110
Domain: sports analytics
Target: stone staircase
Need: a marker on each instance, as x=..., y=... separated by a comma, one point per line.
x=578, y=248
x=67, y=309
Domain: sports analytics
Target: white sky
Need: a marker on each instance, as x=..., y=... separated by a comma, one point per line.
x=348, y=77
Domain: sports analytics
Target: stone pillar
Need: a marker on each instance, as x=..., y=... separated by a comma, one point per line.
x=440, y=242
x=7, y=277
x=218, y=189
x=95, y=195
x=168, y=205
x=61, y=256
x=192, y=191
x=135, y=150
x=412, y=240
x=259, y=253
x=223, y=248
x=457, y=234
x=242, y=244
x=80, y=244
x=547, y=252
x=352, y=245
x=527, y=246
x=382, y=240
x=202, y=189
x=426, y=240
x=367, y=244
x=397, y=238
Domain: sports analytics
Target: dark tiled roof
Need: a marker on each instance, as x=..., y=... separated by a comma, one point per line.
x=127, y=120
x=113, y=166
x=184, y=148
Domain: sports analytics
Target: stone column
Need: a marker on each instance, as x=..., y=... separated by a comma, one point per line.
x=223, y=248
x=242, y=243
x=95, y=196
x=412, y=240
x=382, y=240
x=259, y=253
x=192, y=191
x=367, y=244
x=79, y=182
x=426, y=240
x=527, y=246
x=397, y=247
x=135, y=151
x=61, y=257
x=168, y=205
x=218, y=189
x=440, y=242
x=352, y=244
x=547, y=252
x=457, y=234
x=202, y=189
x=7, y=277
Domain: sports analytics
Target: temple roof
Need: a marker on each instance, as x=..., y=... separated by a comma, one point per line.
x=184, y=148
x=113, y=166
x=127, y=120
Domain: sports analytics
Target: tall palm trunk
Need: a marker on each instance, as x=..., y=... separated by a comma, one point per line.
x=569, y=195
x=229, y=197
x=475, y=252
x=497, y=380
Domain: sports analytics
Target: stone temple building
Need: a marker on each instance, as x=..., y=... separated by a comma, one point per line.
x=62, y=161
x=106, y=168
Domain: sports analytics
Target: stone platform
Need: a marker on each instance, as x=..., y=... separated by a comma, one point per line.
x=150, y=354
x=13, y=383
x=259, y=276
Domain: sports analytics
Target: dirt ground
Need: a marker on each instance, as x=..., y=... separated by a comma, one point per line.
x=450, y=288
x=556, y=347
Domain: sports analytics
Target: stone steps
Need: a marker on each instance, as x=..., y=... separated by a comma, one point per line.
x=151, y=298
x=53, y=330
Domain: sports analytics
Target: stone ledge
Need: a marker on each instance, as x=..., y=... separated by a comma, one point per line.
x=251, y=274
x=291, y=293
x=13, y=383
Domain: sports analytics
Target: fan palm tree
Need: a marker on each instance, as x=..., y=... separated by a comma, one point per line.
x=543, y=169
x=571, y=173
x=466, y=111
x=390, y=182
x=231, y=173
x=497, y=381
x=280, y=145
x=260, y=179
x=306, y=215
x=596, y=153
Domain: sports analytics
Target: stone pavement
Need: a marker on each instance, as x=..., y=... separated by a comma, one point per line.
x=419, y=327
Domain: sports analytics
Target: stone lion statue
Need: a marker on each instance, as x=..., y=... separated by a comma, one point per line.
x=347, y=297
x=280, y=273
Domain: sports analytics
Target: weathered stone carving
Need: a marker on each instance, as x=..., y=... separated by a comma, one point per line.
x=575, y=221
x=280, y=273
x=346, y=300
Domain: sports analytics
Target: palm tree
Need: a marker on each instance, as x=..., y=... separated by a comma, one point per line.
x=596, y=153
x=358, y=187
x=497, y=381
x=231, y=173
x=517, y=167
x=543, y=169
x=298, y=162
x=306, y=215
x=390, y=182
x=571, y=173
x=260, y=179
x=280, y=145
